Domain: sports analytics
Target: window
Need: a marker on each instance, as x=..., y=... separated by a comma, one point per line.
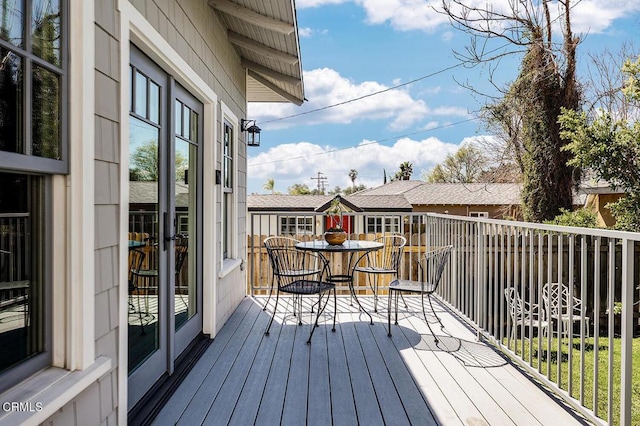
x=227, y=184
x=383, y=224
x=33, y=146
x=296, y=225
x=479, y=214
x=32, y=80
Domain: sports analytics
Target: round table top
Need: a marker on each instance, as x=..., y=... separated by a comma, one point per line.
x=347, y=246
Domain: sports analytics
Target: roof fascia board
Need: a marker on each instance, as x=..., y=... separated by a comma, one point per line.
x=261, y=49
x=261, y=69
x=252, y=17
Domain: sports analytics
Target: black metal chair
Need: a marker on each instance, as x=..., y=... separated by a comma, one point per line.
x=278, y=242
x=136, y=258
x=385, y=261
x=300, y=273
x=429, y=276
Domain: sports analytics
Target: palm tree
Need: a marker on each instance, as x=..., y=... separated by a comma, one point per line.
x=269, y=185
x=353, y=175
x=406, y=170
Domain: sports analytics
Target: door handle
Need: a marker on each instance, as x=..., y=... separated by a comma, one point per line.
x=168, y=233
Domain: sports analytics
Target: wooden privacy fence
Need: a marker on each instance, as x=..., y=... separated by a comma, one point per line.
x=259, y=269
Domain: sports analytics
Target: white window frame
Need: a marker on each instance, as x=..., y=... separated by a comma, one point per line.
x=232, y=260
x=387, y=224
x=303, y=225
x=479, y=214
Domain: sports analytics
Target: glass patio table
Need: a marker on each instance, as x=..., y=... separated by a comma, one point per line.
x=349, y=246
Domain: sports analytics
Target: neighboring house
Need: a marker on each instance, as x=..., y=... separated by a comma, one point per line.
x=596, y=196
x=492, y=200
x=380, y=209
x=111, y=111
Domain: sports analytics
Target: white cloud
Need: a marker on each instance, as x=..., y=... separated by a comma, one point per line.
x=324, y=87
x=303, y=160
x=591, y=16
x=302, y=4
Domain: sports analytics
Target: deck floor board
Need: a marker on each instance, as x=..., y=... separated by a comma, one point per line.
x=355, y=375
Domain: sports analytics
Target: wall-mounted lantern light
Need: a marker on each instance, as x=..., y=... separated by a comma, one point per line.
x=253, y=131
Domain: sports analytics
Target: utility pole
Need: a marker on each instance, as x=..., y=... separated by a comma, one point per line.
x=322, y=181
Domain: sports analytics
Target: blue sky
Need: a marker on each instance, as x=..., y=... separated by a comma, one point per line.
x=353, y=48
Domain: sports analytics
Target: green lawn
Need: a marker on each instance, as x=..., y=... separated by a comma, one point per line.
x=550, y=369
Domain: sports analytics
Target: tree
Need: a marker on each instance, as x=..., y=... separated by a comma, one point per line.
x=466, y=165
x=610, y=147
x=299, y=189
x=353, y=175
x=405, y=172
x=526, y=113
x=269, y=185
x=144, y=163
x=354, y=189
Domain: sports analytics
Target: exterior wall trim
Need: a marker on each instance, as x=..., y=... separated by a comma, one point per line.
x=135, y=28
x=47, y=391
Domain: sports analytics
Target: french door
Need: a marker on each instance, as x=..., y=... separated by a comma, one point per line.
x=165, y=219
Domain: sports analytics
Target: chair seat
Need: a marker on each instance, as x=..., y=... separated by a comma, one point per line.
x=375, y=270
x=412, y=286
x=147, y=273
x=307, y=287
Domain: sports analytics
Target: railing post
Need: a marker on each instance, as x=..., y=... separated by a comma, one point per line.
x=628, y=288
x=480, y=311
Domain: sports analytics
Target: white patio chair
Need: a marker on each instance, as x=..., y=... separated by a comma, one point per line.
x=563, y=308
x=523, y=312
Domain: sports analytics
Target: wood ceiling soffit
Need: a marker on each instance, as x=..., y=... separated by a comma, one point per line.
x=251, y=16
x=261, y=49
x=288, y=96
x=268, y=72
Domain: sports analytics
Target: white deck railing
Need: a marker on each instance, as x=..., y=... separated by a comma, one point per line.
x=590, y=367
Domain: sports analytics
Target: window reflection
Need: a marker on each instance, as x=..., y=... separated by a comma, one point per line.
x=21, y=291
x=10, y=102
x=45, y=114
x=11, y=21
x=45, y=30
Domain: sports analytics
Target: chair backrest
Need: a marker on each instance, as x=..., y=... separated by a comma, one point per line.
x=515, y=306
x=278, y=243
x=556, y=297
x=433, y=266
x=390, y=255
x=290, y=264
x=182, y=249
x=136, y=258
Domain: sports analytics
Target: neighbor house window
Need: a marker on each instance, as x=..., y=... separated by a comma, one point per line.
x=33, y=146
x=300, y=225
x=479, y=214
x=227, y=183
x=383, y=224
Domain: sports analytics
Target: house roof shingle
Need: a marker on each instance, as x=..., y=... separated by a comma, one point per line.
x=464, y=194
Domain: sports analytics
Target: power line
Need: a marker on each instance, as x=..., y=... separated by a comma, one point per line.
x=364, y=96
x=366, y=143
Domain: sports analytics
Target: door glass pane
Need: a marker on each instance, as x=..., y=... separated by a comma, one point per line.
x=21, y=275
x=186, y=162
x=11, y=103
x=11, y=21
x=45, y=30
x=154, y=102
x=140, y=95
x=144, y=311
x=45, y=114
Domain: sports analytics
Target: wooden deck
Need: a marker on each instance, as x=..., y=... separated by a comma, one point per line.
x=356, y=376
